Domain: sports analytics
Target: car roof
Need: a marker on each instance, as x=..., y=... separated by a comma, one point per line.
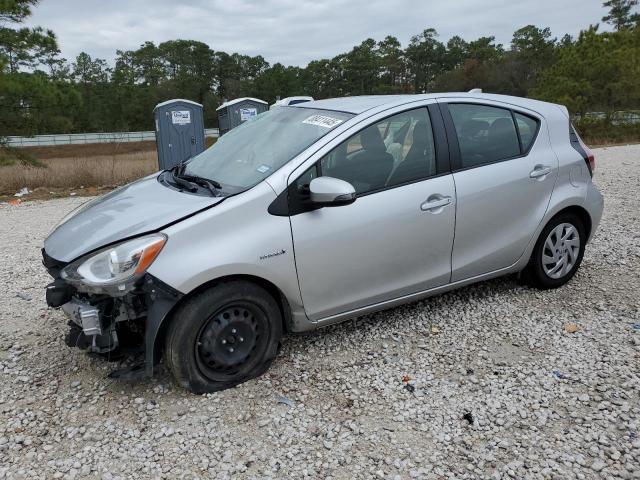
x=360, y=104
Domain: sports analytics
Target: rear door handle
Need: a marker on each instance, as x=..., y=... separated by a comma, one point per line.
x=435, y=202
x=540, y=171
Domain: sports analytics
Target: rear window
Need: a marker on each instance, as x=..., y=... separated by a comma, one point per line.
x=573, y=137
x=576, y=143
x=296, y=102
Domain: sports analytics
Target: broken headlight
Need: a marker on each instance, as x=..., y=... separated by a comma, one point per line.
x=114, y=270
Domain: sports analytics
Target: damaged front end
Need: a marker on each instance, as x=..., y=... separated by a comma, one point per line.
x=115, y=308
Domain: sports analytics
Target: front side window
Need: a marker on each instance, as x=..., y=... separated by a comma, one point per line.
x=485, y=134
x=399, y=149
x=254, y=150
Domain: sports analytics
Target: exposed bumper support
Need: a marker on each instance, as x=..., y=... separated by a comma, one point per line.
x=161, y=300
x=84, y=315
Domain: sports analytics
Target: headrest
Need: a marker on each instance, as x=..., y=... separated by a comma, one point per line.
x=501, y=126
x=421, y=132
x=371, y=139
x=471, y=128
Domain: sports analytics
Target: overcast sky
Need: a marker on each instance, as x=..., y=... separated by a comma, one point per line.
x=294, y=32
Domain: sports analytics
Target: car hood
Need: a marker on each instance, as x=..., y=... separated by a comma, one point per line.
x=139, y=207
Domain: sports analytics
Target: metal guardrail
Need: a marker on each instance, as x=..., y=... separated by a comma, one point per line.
x=80, y=138
x=617, y=118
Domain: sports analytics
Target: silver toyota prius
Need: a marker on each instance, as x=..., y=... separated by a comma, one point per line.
x=311, y=214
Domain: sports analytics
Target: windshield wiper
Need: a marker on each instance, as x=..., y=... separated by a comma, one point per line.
x=183, y=182
x=196, y=178
x=213, y=186
x=190, y=181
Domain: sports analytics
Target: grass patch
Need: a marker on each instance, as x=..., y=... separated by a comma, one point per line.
x=70, y=173
x=602, y=132
x=89, y=150
x=16, y=156
x=95, y=149
x=68, y=167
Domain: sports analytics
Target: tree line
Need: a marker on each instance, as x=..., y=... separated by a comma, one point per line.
x=41, y=92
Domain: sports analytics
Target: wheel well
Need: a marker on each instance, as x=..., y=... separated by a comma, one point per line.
x=274, y=291
x=581, y=213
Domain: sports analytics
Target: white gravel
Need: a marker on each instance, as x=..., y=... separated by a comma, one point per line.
x=498, y=389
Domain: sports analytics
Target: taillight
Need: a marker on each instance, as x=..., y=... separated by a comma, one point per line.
x=591, y=158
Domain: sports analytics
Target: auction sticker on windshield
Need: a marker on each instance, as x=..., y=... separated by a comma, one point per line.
x=322, y=121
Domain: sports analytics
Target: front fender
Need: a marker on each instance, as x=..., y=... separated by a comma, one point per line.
x=161, y=299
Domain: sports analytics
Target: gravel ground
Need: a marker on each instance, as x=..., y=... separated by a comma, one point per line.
x=484, y=382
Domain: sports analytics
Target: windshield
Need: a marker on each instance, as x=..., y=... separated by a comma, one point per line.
x=251, y=152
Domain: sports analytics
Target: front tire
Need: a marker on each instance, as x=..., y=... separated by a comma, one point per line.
x=558, y=252
x=223, y=336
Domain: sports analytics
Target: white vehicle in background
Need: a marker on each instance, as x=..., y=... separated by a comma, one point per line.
x=291, y=101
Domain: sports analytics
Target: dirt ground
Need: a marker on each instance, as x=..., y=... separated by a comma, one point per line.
x=494, y=380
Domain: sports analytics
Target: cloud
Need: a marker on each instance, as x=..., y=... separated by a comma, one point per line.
x=294, y=32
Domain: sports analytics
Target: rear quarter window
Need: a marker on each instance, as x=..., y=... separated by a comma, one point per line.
x=527, y=126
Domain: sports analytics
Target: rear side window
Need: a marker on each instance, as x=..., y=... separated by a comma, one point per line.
x=485, y=134
x=527, y=127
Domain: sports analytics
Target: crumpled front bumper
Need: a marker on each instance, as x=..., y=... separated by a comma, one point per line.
x=94, y=318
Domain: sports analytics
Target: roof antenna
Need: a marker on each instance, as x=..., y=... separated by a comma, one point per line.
x=475, y=90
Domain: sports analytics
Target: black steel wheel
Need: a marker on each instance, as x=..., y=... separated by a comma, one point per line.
x=223, y=336
x=230, y=341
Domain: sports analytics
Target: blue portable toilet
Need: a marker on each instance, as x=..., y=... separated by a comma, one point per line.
x=179, y=131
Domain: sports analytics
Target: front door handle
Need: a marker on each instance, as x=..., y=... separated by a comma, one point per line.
x=434, y=202
x=540, y=171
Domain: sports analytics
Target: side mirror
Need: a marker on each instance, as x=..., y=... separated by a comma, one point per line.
x=331, y=192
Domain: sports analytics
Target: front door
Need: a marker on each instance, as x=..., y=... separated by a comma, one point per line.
x=504, y=172
x=396, y=238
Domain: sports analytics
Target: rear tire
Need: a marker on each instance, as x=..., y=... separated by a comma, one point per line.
x=223, y=336
x=558, y=253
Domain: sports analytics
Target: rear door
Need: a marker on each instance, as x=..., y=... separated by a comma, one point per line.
x=504, y=171
x=396, y=238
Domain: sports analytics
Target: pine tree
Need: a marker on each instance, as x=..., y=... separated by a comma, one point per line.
x=621, y=13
